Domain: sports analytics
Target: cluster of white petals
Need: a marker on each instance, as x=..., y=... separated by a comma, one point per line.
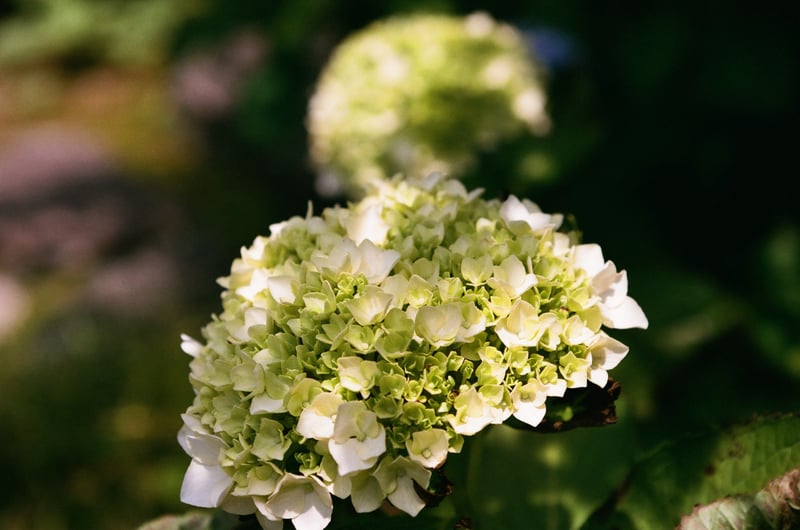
x=357, y=348
x=395, y=94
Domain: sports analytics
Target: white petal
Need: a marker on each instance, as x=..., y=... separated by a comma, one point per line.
x=264, y=403
x=471, y=424
x=530, y=413
x=439, y=325
x=405, y=497
x=513, y=210
x=292, y=499
x=598, y=376
x=316, y=517
x=529, y=402
x=624, y=316
x=376, y=263
x=435, y=447
x=312, y=424
x=201, y=446
x=518, y=214
x=264, y=512
x=258, y=282
x=280, y=287
x=366, y=494
x=367, y=224
x=557, y=389
x=287, y=502
x=607, y=352
x=589, y=257
x=190, y=346
x=341, y=487
x=339, y=259
x=353, y=455
x=205, y=486
x=396, y=478
x=610, y=285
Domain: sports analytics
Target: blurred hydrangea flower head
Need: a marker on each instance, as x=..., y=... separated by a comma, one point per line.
x=394, y=96
x=357, y=348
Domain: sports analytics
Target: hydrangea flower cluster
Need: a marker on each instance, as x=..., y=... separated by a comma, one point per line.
x=395, y=94
x=357, y=348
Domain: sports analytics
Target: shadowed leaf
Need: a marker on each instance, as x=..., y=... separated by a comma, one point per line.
x=737, y=462
x=777, y=506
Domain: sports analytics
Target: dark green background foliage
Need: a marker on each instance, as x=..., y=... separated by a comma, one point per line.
x=673, y=147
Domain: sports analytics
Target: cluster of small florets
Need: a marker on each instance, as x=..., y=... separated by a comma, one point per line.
x=357, y=348
x=394, y=96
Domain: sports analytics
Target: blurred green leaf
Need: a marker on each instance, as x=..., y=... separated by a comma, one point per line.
x=777, y=308
x=701, y=469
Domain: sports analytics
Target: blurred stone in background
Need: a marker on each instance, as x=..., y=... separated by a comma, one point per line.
x=207, y=83
x=68, y=211
x=15, y=307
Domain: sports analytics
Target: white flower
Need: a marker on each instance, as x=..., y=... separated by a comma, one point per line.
x=357, y=374
x=474, y=412
x=364, y=258
x=366, y=493
x=473, y=322
x=529, y=402
x=255, y=286
x=523, y=216
x=397, y=477
x=205, y=483
x=304, y=500
x=205, y=486
x=606, y=353
x=512, y=278
x=358, y=439
x=367, y=223
x=281, y=289
x=574, y=370
x=198, y=443
x=190, y=346
x=476, y=270
x=524, y=326
x=439, y=325
x=574, y=331
x=611, y=288
x=254, y=319
x=317, y=419
x=428, y=447
x=370, y=306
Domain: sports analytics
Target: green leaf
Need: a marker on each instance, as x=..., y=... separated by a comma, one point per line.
x=776, y=506
x=700, y=470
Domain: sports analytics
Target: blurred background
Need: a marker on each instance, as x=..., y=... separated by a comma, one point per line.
x=143, y=142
